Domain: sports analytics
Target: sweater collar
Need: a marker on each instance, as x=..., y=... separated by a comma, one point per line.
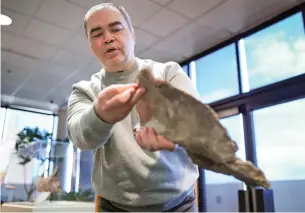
x=118, y=76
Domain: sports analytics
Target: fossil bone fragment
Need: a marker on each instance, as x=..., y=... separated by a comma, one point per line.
x=194, y=126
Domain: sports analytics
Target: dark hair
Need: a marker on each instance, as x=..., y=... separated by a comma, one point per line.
x=121, y=9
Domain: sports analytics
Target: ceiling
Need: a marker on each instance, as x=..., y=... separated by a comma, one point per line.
x=45, y=51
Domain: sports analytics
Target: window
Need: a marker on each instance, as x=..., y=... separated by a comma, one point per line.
x=185, y=69
x=280, y=145
x=216, y=75
x=273, y=54
x=221, y=190
x=86, y=165
x=14, y=122
x=268, y=56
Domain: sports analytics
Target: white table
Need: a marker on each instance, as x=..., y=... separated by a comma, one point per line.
x=49, y=206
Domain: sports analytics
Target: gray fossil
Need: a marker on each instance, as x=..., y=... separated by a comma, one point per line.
x=193, y=125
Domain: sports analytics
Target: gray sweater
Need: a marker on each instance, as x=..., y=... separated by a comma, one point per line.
x=131, y=178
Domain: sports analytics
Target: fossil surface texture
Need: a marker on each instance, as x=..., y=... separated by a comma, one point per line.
x=193, y=125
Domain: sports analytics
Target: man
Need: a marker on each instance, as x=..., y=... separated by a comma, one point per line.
x=134, y=169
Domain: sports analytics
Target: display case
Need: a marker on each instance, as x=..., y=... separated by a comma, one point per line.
x=45, y=176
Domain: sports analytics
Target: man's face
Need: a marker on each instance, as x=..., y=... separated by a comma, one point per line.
x=111, y=41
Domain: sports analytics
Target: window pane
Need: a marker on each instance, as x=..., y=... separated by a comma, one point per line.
x=275, y=53
x=15, y=121
x=185, y=69
x=216, y=75
x=221, y=190
x=74, y=164
x=280, y=148
x=86, y=165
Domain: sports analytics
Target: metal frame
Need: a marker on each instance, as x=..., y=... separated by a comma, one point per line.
x=201, y=192
x=290, y=89
x=273, y=94
x=27, y=109
x=238, y=68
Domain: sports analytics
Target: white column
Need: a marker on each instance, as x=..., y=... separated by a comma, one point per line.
x=62, y=124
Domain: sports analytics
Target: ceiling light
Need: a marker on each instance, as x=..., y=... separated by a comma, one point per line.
x=5, y=20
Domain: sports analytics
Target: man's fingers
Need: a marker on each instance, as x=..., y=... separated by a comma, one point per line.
x=139, y=138
x=138, y=95
x=121, y=94
x=121, y=98
x=165, y=144
x=149, y=139
x=114, y=90
x=152, y=138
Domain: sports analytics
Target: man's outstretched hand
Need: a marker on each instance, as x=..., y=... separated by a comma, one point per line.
x=148, y=140
x=115, y=102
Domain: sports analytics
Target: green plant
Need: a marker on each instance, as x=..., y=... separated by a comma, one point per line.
x=25, y=139
x=63, y=140
x=83, y=196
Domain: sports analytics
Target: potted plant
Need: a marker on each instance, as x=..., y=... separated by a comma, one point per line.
x=27, y=150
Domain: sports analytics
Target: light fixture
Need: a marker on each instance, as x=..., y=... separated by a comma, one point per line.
x=5, y=20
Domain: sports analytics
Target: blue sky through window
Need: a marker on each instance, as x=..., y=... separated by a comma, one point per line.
x=216, y=75
x=276, y=53
x=281, y=153
x=272, y=54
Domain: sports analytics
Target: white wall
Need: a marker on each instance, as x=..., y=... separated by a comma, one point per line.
x=62, y=124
